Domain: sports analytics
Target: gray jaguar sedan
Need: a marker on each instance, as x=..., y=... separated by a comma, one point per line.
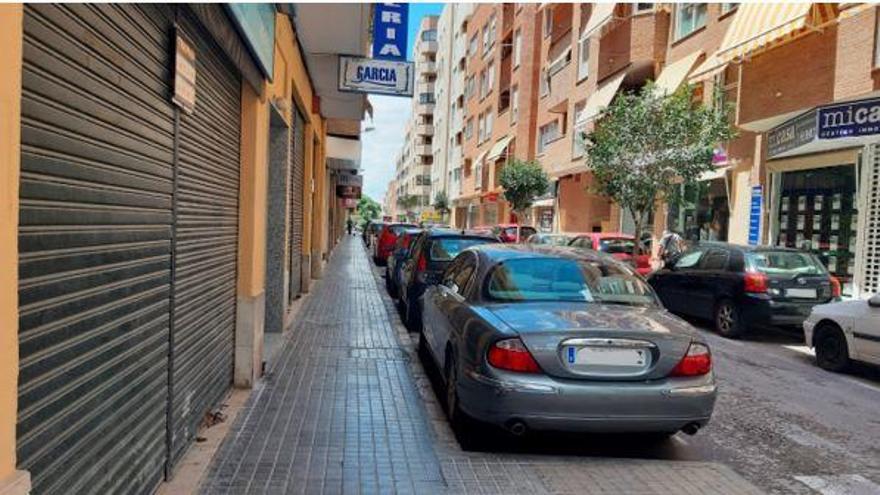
x=532, y=338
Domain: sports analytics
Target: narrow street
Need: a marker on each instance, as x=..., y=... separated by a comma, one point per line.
x=349, y=408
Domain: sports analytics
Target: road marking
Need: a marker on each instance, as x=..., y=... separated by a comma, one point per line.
x=806, y=350
x=845, y=484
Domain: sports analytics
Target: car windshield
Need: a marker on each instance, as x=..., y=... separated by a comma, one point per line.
x=616, y=245
x=562, y=279
x=553, y=240
x=784, y=263
x=446, y=248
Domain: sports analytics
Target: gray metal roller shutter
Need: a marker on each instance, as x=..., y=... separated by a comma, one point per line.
x=94, y=244
x=206, y=242
x=297, y=172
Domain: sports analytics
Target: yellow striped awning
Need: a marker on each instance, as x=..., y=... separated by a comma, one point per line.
x=675, y=73
x=758, y=26
x=602, y=13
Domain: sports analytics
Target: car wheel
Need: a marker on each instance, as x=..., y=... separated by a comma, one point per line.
x=727, y=320
x=422, y=348
x=832, y=353
x=462, y=425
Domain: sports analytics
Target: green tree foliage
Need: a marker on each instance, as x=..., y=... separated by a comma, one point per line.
x=408, y=202
x=441, y=202
x=368, y=209
x=645, y=145
x=523, y=181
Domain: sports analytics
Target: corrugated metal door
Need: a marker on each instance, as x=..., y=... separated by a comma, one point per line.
x=94, y=244
x=205, y=241
x=297, y=178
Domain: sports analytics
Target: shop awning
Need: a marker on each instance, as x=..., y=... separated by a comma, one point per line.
x=758, y=26
x=675, y=73
x=718, y=173
x=602, y=13
x=479, y=160
x=708, y=69
x=544, y=203
x=602, y=97
x=499, y=148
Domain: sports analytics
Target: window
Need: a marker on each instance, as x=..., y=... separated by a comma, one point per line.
x=560, y=63
x=484, y=84
x=548, y=21
x=729, y=7
x=547, y=134
x=514, y=103
x=715, y=259
x=583, y=69
x=689, y=260
x=490, y=76
x=577, y=143
x=478, y=176
x=481, y=128
x=517, y=47
x=644, y=7
x=688, y=18
x=429, y=35
x=493, y=29
x=469, y=128
x=485, y=39
x=447, y=248
x=490, y=117
x=472, y=45
x=545, y=83
x=561, y=279
x=469, y=87
x=426, y=98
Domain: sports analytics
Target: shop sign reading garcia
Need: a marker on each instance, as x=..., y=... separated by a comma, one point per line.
x=382, y=77
x=184, y=75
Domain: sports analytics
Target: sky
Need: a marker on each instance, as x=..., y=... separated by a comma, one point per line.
x=390, y=114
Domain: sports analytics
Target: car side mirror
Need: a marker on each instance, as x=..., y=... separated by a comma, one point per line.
x=874, y=302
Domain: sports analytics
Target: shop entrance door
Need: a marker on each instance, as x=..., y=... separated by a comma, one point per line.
x=817, y=213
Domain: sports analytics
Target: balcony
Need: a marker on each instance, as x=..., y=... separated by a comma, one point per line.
x=424, y=108
x=424, y=150
x=425, y=130
x=425, y=87
x=634, y=42
x=426, y=67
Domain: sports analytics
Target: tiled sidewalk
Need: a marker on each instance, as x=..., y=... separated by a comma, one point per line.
x=347, y=409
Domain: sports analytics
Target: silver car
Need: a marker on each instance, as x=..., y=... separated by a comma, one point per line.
x=532, y=337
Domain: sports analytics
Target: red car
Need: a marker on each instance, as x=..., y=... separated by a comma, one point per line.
x=506, y=232
x=618, y=245
x=387, y=239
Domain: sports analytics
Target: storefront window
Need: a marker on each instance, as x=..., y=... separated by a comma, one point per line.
x=817, y=213
x=702, y=212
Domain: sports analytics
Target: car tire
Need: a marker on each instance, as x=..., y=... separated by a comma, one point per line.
x=728, y=322
x=462, y=425
x=832, y=353
x=422, y=348
x=388, y=285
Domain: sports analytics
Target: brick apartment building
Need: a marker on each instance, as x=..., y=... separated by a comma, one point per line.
x=536, y=75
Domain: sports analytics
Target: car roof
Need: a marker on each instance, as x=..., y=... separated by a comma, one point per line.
x=605, y=235
x=745, y=247
x=432, y=232
x=503, y=252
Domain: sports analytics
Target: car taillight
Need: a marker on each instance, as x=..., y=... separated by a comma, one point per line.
x=697, y=361
x=756, y=282
x=422, y=264
x=512, y=355
x=835, y=287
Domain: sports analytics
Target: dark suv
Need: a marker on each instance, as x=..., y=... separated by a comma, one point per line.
x=741, y=286
x=430, y=253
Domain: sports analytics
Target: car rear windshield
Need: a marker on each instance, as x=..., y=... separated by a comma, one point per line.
x=561, y=279
x=552, y=240
x=616, y=245
x=397, y=229
x=446, y=248
x=784, y=263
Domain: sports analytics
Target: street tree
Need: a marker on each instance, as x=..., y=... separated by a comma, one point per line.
x=441, y=203
x=646, y=145
x=368, y=209
x=523, y=182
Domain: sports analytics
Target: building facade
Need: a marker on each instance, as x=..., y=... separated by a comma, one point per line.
x=165, y=207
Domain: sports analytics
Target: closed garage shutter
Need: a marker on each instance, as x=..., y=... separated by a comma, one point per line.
x=297, y=170
x=94, y=244
x=206, y=240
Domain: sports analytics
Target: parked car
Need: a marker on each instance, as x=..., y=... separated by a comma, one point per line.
x=395, y=260
x=845, y=331
x=371, y=232
x=533, y=337
x=507, y=232
x=557, y=239
x=386, y=239
x=742, y=286
x=430, y=254
x=616, y=244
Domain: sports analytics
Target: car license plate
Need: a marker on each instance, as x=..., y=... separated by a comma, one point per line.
x=801, y=293
x=607, y=356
